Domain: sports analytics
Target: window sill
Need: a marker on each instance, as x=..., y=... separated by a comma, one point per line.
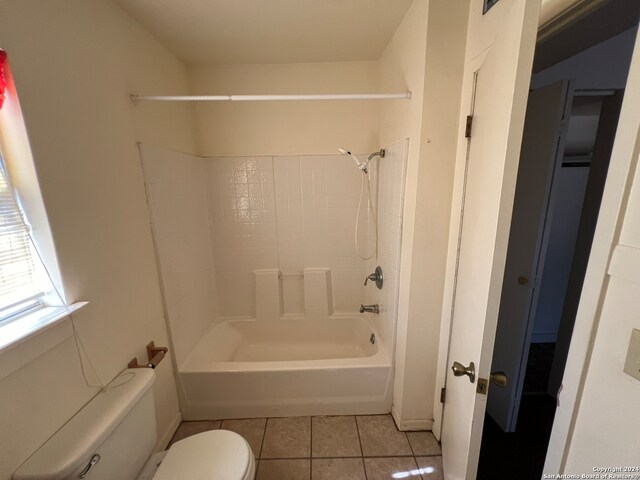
x=21, y=329
x=32, y=335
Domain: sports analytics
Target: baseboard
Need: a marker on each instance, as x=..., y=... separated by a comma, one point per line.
x=410, y=425
x=165, y=438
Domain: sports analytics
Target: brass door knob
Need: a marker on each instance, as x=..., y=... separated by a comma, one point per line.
x=499, y=379
x=459, y=370
x=523, y=280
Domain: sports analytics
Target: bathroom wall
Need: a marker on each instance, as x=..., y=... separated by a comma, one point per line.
x=177, y=197
x=421, y=58
x=75, y=63
x=285, y=128
x=426, y=56
x=389, y=179
x=267, y=216
x=323, y=235
x=242, y=227
x=287, y=213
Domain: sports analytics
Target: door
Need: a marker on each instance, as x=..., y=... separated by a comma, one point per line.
x=500, y=47
x=541, y=155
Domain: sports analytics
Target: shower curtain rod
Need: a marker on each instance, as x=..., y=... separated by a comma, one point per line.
x=249, y=98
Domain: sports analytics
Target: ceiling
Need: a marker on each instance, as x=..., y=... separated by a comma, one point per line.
x=610, y=19
x=202, y=32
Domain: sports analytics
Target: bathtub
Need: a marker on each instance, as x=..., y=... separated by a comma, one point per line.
x=249, y=368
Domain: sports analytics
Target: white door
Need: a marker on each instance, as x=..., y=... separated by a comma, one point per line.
x=500, y=46
x=541, y=155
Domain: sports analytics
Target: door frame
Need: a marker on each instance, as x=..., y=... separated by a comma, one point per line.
x=614, y=196
x=455, y=225
x=616, y=191
x=549, y=11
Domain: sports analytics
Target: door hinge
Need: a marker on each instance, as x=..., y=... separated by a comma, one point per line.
x=467, y=129
x=443, y=394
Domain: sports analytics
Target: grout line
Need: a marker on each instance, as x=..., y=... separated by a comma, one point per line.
x=264, y=435
x=409, y=442
x=361, y=451
x=415, y=460
x=342, y=458
x=310, y=444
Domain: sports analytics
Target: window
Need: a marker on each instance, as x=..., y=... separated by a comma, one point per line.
x=32, y=296
x=21, y=288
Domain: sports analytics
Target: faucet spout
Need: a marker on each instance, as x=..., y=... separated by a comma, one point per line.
x=370, y=308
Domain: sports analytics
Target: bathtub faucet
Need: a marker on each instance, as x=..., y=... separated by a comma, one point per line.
x=370, y=308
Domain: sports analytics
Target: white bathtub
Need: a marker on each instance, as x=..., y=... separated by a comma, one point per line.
x=249, y=368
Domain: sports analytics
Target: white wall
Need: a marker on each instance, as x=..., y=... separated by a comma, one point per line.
x=285, y=128
x=177, y=197
x=426, y=56
x=75, y=62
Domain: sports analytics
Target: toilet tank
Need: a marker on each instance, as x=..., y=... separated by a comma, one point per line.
x=118, y=424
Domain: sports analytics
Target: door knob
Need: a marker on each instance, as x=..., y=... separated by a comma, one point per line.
x=459, y=370
x=499, y=379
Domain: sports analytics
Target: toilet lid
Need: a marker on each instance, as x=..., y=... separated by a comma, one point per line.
x=212, y=455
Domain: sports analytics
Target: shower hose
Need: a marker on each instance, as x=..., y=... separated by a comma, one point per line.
x=366, y=180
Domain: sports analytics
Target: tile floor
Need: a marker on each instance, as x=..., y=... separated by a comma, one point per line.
x=367, y=447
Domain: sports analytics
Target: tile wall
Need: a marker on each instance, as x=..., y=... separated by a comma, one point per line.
x=316, y=202
x=219, y=220
x=290, y=213
x=242, y=217
x=176, y=194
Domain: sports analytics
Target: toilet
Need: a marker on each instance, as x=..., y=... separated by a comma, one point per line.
x=113, y=437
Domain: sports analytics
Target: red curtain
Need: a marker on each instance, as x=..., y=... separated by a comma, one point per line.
x=3, y=81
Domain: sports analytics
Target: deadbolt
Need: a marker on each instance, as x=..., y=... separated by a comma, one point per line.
x=523, y=280
x=459, y=370
x=499, y=379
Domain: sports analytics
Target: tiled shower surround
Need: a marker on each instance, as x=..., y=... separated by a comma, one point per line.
x=222, y=225
x=289, y=213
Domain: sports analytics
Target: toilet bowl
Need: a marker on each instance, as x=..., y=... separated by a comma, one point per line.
x=114, y=436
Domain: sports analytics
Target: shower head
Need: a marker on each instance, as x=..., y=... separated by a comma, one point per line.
x=344, y=151
x=364, y=166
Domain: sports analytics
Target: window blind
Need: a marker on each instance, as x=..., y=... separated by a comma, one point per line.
x=19, y=286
